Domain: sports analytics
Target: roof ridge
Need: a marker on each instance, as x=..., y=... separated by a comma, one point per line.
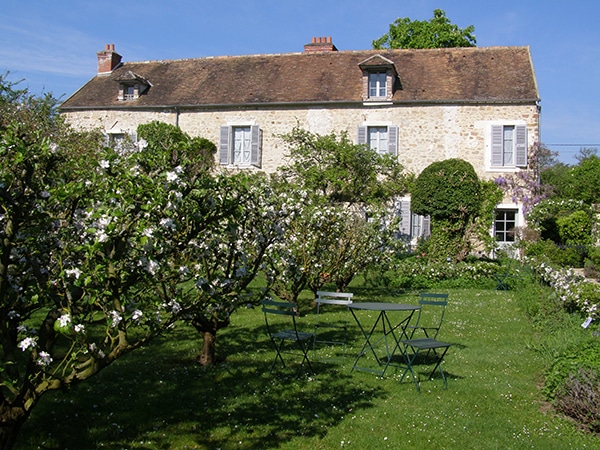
x=384, y=50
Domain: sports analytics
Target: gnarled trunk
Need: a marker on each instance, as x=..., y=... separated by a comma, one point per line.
x=208, y=329
x=13, y=415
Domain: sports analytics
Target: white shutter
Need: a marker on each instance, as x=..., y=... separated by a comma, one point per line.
x=362, y=135
x=224, y=150
x=393, y=141
x=497, y=145
x=521, y=146
x=255, y=145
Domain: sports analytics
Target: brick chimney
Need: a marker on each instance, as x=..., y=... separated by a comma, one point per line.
x=320, y=44
x=108, y=59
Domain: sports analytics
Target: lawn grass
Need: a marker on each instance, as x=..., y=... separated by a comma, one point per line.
x=159, y=398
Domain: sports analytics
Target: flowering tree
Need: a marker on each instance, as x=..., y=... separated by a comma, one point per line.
x=233, y=251
x=524, y=186
x=96, y=248
x=331, y=240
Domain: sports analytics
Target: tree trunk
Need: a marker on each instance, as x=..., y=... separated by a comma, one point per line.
x=208, y=329
x=11, y=420
x=207, y=357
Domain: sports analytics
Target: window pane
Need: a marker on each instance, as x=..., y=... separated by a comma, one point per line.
x=378, y=139
x=508, y=145
x=377, y=84
x=504, y=225
x=241, y=145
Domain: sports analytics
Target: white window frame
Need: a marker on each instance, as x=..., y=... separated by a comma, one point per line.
x=378, y=84
x=505, y=231
x=244, y=152
x=372, y=136
x=503, y=152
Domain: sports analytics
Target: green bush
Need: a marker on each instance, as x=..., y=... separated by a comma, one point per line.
x=547, y=250
x=584, y=356
x=418, y=272
x=592, y=263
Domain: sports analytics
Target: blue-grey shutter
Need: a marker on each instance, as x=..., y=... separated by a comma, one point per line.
x=255, y=145
x=426, y=226
x=393, y=140
x=521, y=146
x=224, y=150
x=362, y=135
x=497, y=145
x=405, y=215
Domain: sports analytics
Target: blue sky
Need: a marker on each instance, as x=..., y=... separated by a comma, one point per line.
x=52, y=44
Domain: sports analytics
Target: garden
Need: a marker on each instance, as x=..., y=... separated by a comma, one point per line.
x=504, y=346
x=131, y=275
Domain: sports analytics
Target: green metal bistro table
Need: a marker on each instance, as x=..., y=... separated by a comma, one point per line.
x=383, y=333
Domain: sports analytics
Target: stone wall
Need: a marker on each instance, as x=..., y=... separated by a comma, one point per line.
x=427, y=133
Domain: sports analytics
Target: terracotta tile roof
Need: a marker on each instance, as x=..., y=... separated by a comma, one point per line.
x=492, y=74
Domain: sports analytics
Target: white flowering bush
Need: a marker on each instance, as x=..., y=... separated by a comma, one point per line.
x=570, y=286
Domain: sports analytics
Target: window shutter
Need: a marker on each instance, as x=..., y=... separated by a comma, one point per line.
x=496, y=145
x=362, y=135
x=393, y=141
x=255, y=145
x=224, y=150
x=405, y=226
x=426, y=226
x=521, y=146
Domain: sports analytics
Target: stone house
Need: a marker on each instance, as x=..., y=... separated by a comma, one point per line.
x=477, y=104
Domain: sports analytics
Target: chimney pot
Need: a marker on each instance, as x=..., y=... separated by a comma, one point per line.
x=108, y=59
x=320, y=44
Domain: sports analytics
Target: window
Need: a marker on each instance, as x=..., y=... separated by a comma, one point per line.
x=509, y=146
x=380, y=79
x=240, y=145
x=377, y=84
x=412, y=226
x=382, y=139
x=504, y=225
x=129, y=92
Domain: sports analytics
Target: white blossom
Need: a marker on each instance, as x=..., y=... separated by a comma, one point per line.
x=75, y=273
x=115, y=318
x=64, y=320
x=28, y=342
x=44, y=359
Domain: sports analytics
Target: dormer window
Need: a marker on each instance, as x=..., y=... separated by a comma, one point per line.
x=131, y=86
x=130, y=92
x=377, y=84
x=379, y=79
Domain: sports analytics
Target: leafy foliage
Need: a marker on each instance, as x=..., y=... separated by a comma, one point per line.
x=438, y=32
x=341, y=171
x=450, y=193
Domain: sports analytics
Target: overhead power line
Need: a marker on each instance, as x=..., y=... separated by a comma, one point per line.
x=572, y=145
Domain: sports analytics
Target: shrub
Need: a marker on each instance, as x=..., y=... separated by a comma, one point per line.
x=592, y=263
x=580, y=357
x=579, y=398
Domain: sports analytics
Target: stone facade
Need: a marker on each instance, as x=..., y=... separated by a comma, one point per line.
x=426, y=133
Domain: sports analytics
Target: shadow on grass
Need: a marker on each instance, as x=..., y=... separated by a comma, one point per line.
x=159, y=398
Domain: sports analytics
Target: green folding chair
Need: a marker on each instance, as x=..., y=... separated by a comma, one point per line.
x=431, y=315
x=280, y=319
x=414, y=347
x=331, y=332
